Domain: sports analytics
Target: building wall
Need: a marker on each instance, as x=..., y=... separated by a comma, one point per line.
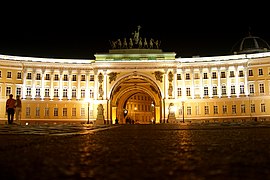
x=195, y=83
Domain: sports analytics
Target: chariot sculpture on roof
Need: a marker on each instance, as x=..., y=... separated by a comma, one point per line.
x=135, y=42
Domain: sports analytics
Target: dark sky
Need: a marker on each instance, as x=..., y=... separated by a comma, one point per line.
x=77, y=30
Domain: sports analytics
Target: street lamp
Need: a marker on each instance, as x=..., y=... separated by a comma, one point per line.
x=88, y=110
x=183, y=108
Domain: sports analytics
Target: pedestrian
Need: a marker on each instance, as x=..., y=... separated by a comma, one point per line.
x=18, y=108
x=10, y=108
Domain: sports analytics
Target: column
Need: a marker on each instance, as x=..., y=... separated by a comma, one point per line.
x=237, y=86
x=96, y=84
x=79, y=85
x=175, y=83
x=51, y=82
x=210, y=87
x=201, y=84
x=219, y=83
x=42, y=90
x=69, y=84
x=24, y=84
x=166, y=84
x=33, y=88
x=60, y=85
x=87, y=90
x=105, y=84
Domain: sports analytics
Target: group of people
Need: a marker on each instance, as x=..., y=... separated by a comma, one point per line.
x=13, y=107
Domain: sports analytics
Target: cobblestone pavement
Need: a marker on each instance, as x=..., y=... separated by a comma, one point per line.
x=161, y=151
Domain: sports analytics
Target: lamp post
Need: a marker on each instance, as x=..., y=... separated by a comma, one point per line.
x=88, y=121
x=88, y=110
x=183, y=108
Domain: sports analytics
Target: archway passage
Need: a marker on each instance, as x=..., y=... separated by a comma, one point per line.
x=135, y=99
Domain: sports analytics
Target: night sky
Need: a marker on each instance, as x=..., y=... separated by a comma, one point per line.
x=81, y=30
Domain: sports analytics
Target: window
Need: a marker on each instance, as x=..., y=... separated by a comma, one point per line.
x=37, y=92
x=55, y=111
x=241, y=73
x=0, y=74
x=205, y=91
x=179, y=77
x=82, y=111
x=28, y=91
x=91, y=93
x=73, y=93
x=231, y=73
x=65, y=77
x=251, y=88
x=188, y=110
x=215, y=109
x=262, y=107
x=224, y=109
x=223, y=75
x=252, y=108
x=47, y=77
x=82, y=93
x=8, y=91
x=74, y=77
x=47, y=92
x=215, y=90
x=242, y=89
x=196, y=76
x=19, y=75
x=9, y=74
x=92, y=77
x=27, y=112
x=56, y=77
x=55, y=92
x=187, y=76
x=261, y=88
x=73, y=111
x=232, y=89
x=38, y=77
x=29, y=76
x=243, y=108
x=188, y=91
x=234, y=109
x=260, y=72
x=223, y=90
x=179, y=92
x=37, y=111
x=214, y=75
x=64, y=92
x=83, y=77
x=206, y=109
x=19, y=91
x=64, y=111
x=205, y=76
x=47, y=112
x=250, y=72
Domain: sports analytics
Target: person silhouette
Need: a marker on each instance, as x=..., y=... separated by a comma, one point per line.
x=10, y=108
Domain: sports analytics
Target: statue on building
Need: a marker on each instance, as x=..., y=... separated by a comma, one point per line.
x=170, y=76
x=101, y=92
x=112, y=76
x=158, y=75
x=100, y=115
x=100, y=109
x=136, y=35
x=100, y=78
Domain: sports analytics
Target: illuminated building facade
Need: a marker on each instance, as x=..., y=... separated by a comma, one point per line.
x=137, y=82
